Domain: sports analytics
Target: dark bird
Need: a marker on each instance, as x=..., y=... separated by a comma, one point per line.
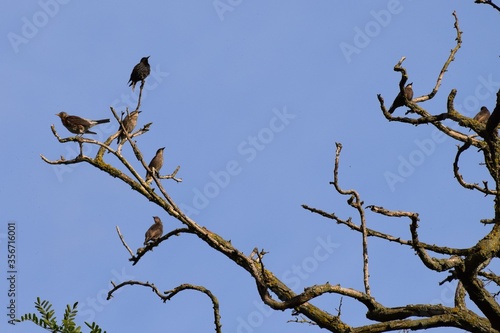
x=78, y=125
x=155, y=165
x=400, y=99
x=140, y=72
x=129, y=124
x=483, y=115
x=155, y=231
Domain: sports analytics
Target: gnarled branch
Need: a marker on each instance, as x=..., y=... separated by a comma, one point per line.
x=169, y=294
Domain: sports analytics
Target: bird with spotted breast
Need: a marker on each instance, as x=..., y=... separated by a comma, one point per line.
x=154, y=232
x=129, y=123
x=155, y=165
x=79, y=125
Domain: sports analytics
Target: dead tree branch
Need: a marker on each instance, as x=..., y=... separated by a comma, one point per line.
x=355, y=202
x=488, y=2
x=460, y=179
x=378, y=234
x=169, y=294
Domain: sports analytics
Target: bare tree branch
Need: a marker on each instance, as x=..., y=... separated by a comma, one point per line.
x=488, y=2
x=444, y=69
x=123, y=241
x=390, y=238
x=490, y=276
x=355, y=202
x=460, y=179
x=169, y=294
x=435, y=264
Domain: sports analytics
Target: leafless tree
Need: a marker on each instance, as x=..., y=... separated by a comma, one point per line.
x=468, y=266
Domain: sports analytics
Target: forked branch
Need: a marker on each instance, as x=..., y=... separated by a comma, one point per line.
x=460, y=179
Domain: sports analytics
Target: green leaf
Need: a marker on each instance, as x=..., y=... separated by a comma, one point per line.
x=48, y=320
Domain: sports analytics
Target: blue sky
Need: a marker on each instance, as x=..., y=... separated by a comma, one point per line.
x=267, y=87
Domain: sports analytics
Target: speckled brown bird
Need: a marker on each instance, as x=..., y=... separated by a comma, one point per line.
x=400, y=99
x=156, y=164
x=155, y=231
x=129, y=123
x=78, y=125
x=140, y=72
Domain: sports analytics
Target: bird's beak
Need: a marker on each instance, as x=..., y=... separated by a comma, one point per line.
x=148, y=57
x=411, y=83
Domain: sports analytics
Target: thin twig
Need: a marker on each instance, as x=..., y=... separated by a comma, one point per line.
x=490, y=276
x=140, y=96
x=390, y=238
x=459, y=177
x=172, y=175
x=301, y=320
x=355, y=202
x=339, y=310
x=451, y=58
x=123, y=241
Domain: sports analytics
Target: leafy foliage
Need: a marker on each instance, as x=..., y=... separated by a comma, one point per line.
x=48, y=319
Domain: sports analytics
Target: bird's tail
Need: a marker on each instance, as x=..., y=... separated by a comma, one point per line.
x=391, y=109
x=90, y=132
x=102, y=121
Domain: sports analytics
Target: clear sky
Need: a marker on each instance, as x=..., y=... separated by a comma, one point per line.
x=267, y=86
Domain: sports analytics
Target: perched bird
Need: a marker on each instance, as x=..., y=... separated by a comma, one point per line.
x=155, y=231
x=483, y=115
x=400, y=99
x=129, y=124
x=78, y=125
x=156, y=164
x=140, y=72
